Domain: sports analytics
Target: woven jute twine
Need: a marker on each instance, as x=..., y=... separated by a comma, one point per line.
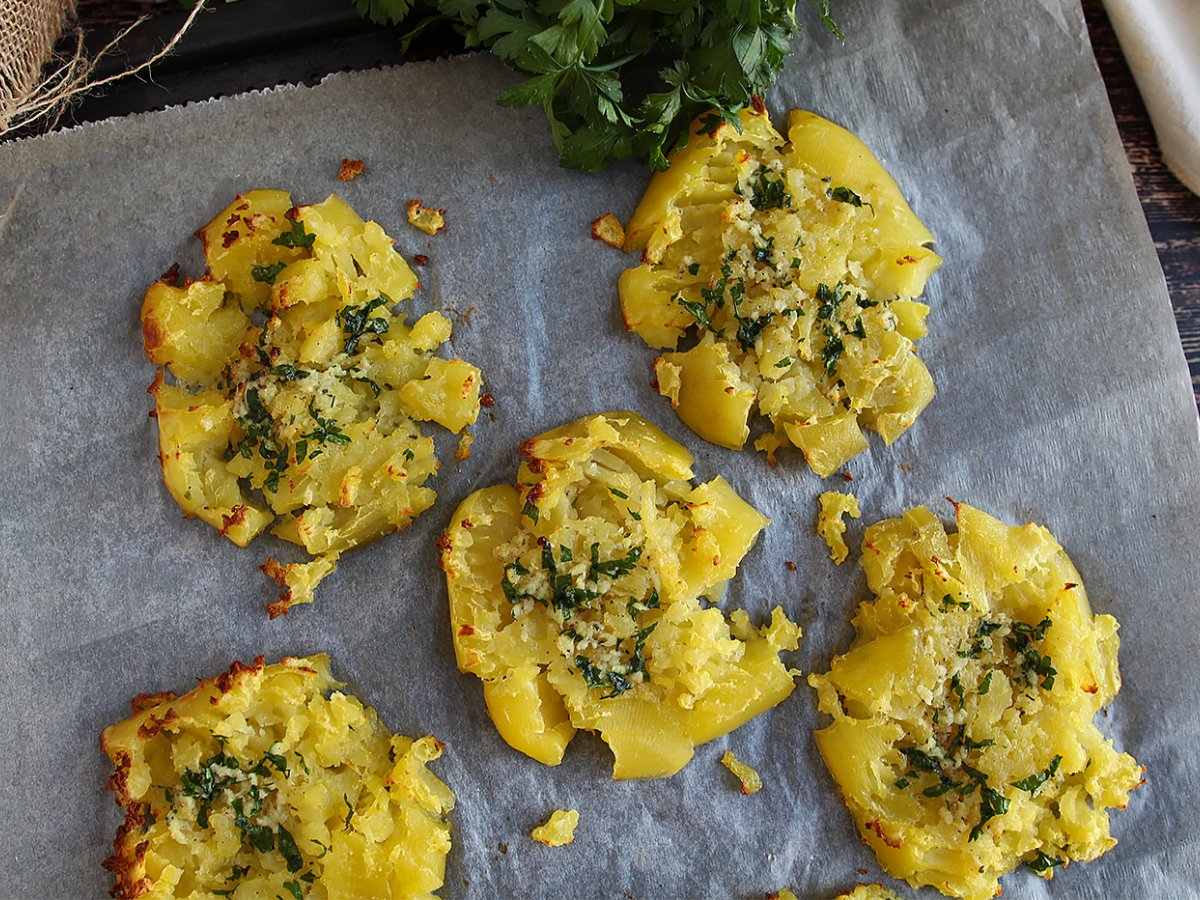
x=37, y=81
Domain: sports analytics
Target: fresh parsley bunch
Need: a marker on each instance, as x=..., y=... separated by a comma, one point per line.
x=619, y=78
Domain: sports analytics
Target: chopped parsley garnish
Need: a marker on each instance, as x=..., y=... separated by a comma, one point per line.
x=986, y=684
x=902, y=783
x=830, y=299
x=991, y=804
x=288, y=372
x=293, y=888
x=259, y=429
x=858, y=331
x=296, y=237
x=1041, y=862
x=698, y=310
x=349, y=811
x=260, y=837
x=957, y=687
x=1031, y=783
x=267, y=274
x=948, y=603
x=984, y=630
x=764, y=253
x=784, y=363
x=275, y=759
x=616, y=493
x=694, y=269
x=289, y=851
x=593, y=676
x=977, y=745
x=206, y=785
x=922, y=761
x=357, y=322
x=769, y=193
x=1037, y=667
x=530, y=510
x=832, y=351
x=613, y=568
x=636, y=606
x=327, y=430
x=939, y=789
x=845, y=195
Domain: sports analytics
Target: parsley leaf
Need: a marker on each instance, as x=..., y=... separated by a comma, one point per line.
x=623, y=79
x=267, y=274
x=296, y=237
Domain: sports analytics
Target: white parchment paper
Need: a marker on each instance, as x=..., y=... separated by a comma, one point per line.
x=1064, y=399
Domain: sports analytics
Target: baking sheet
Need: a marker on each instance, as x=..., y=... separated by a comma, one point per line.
x=1064, y=398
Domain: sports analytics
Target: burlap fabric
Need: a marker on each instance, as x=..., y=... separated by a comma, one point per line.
x=28, y=31
x=37, y=83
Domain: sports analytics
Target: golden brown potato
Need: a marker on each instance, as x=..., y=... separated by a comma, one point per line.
x=576, y=597
x=307, y=420
x=795, y=262
x=269, y=781
x=963, y=738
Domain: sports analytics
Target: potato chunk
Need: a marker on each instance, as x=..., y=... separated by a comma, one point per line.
x=307, y=421
x=269, y=781
x=795, y=263
x=963, y=738
x=576, y=597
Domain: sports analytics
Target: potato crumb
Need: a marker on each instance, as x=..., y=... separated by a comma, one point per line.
x=350, y=169
x=782, y=894
x=558, y=830
x=425, y=218
x=608, y=228
x=751, y=782
x=464, y=446
x=868, y=892
x=830, y=525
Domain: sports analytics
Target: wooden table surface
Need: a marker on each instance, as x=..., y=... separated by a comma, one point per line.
x=339, y=40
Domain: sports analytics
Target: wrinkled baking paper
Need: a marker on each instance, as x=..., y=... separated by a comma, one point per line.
x=1064, y=399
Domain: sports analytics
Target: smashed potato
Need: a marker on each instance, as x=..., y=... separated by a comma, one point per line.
x=268, y=781
x=830, y=524
x=796, y=263
x=297, y=387
x=576, y=597
x=963, y=738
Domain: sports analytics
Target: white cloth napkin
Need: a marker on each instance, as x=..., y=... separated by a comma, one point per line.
x=1161, y=41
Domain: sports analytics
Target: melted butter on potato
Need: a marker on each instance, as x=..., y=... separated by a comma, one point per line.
x=796, y=264
x=268, y=781
x=297, y=386
x=963, y=738
x=576, y=597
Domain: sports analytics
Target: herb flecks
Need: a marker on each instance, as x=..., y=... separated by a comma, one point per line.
x=267, y=274
x=767, y=192
x=296, y=237
x=357, y=322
